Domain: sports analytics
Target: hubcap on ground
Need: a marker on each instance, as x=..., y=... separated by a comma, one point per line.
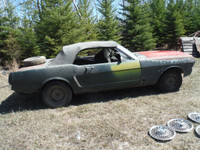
x=197, y=130
x=194, y=116
x=180, y=125
x=162, y=132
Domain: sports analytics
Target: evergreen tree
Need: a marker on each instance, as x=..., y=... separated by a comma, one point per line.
x=9, y=35
x=196, y=16
x=158, y=11
x=3, y=32
x=56, y=27
x=8, y=22
x=12, y=50
x=108, y=24
x=137, y=32
x=28, y=40
x=88, y=30
x=174, y=25
x=187, y=12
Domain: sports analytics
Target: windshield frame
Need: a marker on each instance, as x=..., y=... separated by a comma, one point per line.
x=127, y=52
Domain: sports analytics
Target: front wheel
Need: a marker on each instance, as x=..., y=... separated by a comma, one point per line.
x=56, y=94
x=170, y=81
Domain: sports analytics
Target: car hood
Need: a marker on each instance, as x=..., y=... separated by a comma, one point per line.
x=161, y=55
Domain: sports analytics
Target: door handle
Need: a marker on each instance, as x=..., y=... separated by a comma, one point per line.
x=89, y=68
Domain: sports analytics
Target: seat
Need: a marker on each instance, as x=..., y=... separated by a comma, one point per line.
x=103, y=56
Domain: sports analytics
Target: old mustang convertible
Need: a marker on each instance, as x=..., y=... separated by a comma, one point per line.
x=99, y=66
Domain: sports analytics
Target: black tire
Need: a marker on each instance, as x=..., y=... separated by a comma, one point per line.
x=57, y=94
x=31, y=61
x=170, y=81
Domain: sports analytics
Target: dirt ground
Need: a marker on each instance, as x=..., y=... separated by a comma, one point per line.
x=117, y=120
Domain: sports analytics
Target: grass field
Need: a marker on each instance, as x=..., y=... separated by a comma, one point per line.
x=117, y=120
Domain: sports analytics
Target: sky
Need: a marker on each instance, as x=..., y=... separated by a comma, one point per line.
x=116, y=4
x=16, y=2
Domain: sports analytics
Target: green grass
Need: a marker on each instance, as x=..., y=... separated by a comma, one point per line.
x=109, y=120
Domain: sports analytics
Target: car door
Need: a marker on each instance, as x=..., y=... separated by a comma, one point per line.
x=108, y=75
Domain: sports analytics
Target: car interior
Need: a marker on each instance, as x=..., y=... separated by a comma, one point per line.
x=96, y=55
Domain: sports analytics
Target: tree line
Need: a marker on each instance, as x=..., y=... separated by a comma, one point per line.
x=43, y=27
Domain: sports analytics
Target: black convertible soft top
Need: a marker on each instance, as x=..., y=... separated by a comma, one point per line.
x=69, y=52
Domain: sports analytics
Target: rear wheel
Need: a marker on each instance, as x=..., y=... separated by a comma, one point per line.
x=57, y=94
x=170, y=81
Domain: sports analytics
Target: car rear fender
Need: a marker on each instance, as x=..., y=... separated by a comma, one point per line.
x=56, y=79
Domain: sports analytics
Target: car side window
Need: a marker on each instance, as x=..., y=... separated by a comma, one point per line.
x=96, y=55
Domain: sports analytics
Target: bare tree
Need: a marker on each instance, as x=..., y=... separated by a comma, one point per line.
x=77, y=8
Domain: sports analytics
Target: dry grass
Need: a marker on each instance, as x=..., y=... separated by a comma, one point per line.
x=110, y=120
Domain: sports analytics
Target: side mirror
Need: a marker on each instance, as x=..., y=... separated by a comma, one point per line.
x=118, y=56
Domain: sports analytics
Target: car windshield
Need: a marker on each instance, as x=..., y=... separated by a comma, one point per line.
x=129, y=53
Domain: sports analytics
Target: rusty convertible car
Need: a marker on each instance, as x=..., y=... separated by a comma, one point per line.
x=99, y=66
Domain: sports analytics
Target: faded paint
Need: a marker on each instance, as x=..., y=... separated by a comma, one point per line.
x=145, y=70
x=126, y=66
x=164, y=54
x=31, y=67
x=131, y=71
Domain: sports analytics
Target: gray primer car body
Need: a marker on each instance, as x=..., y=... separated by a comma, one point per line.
x=132, y=70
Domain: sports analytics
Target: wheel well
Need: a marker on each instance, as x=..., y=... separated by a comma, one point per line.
x=175, y=69
x=170, y=80
x=56, y=80
x=179, y=70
